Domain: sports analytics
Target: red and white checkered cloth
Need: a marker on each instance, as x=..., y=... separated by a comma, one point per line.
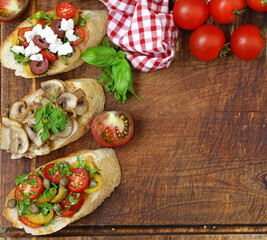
x=144, y=30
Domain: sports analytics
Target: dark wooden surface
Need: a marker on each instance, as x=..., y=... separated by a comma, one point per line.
x=198, y=156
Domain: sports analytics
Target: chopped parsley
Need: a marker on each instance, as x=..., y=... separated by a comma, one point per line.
x=82, y=21
x=45, y=208
x=73, y=200
x=23, y=207
x=82, y=165
x=21, y=178
x=59, y=167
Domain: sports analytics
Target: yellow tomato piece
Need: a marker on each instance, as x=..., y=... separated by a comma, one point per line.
x=28, y=70
x=62, y=193
x=40, y=218
x=76, y=18
x=45, y=199
x=87, y=163
x=98, y=179
x=15, y=40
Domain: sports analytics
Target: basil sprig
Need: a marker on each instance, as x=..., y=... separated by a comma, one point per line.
x=116, y=73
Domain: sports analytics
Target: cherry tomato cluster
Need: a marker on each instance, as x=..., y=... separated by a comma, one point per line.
x=207, y=41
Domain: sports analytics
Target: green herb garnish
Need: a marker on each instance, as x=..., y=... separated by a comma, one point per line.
x=48, y=223
x=45, y=208
x=82, y=21
x=73, y=201
x=23, y=207
x=82, y=165
x=21, y=178
x=19, y=57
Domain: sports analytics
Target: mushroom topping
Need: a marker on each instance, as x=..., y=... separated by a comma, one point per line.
x=71, y=112
x=36, y=105
x=67, y=100
x=33, y=136
x=50, y=86
x=74, y=129
x=68, y=129
x=42, y=150
x=82, y=106
x=10, y=122
x=5, y=137
x=19, y=111
x=79, y=93
x=19, y=141
x=30, y=120
x=44, y=101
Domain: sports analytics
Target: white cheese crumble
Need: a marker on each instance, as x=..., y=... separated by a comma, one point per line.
x=54, y=47
x=64, y=49
x=18, y=49
x=31, y=49
x=70, y=36
x=67, y=24
x=37, y=57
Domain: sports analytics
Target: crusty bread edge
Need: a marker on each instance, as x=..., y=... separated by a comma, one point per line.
x=106, y=160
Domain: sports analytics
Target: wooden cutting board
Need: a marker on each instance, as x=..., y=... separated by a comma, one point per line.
x=198, y=156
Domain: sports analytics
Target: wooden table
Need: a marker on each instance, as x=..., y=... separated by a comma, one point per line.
x=196, y=165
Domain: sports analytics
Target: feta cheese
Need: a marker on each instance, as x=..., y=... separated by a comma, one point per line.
x=67, y=24
x=38, y=29
x=54, y=47
x=46, y=32
x=18, y=49
x=51, y=38
x=29, y=36
x=31, y=49
x=37, y=57
x=64, y=49
x=70, y=36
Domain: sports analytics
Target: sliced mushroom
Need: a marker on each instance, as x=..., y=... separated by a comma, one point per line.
x=10, y=122
x=74, y=129
x=30, y=120
x=44, y=101
x=19, y=111
x=67, y=100
x=38, y=151
x=71, y=112
x=33, y=136
x=79, y=93
x=68, y=129
x=50, y=86
x=36, y=105
x=5, y=137
x=19, y=140
x=82, y=106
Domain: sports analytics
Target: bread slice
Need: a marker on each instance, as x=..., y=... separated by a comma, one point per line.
x=104, y=159
x=95, y=29
x=95, y=97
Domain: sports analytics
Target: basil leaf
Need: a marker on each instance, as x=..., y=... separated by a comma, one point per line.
x=23, y=207
x=21, y=178
x=100, y=56
x=45, y=208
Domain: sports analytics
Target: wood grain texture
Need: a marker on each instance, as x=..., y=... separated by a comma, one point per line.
x=198, y=155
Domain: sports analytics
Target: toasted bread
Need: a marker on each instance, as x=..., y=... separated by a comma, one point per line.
x=95, y=29
x=104, y=159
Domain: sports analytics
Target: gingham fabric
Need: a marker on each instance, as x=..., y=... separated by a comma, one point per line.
x=144, y=30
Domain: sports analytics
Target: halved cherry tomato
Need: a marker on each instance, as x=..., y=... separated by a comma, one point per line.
x=66, y=202
x=66, y=213
x=112, y=128
x=51, y=57
x=47, y=168
x=30, y=190
x=42, y=21
x=78, y=181
x=80, y=33
x=40, y=218
x=55, y=177
x=65, y=10
x=28, y=223
x=22, y=38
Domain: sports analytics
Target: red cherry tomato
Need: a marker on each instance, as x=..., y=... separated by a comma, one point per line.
x=21, y=36
x=78, y=181
x=190, y=14
x=65, y=203
x=65, y=10
x=10, y=10
x=66, y=213
x=47, y=168
x=28, y=223
x=247, y=42
x=57, y=176
x=112, y=128
x=80, y=33
x=31, y=190
x=42, y=21
x=257, y=5
x=51, y=57
x=206, y=42
x=226, y=11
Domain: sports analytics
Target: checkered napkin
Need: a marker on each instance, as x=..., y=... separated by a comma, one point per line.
x=144, y=30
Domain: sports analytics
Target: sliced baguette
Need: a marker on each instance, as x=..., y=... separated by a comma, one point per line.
x=104, y=159
x=95, y=96
x=95, y=29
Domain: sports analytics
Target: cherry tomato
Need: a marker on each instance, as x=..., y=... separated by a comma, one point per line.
x=47, y=168
x=112, y=128
x=12, y=9
x=78, y=181
x=51, y=57
x=66, y=202
x=80, y=33
x=22, y=38
x=65, y=10
x=42, y=21
x=30, y=190
x=247, y=42
x=206, y=42
x=190, y=14
x=66, y=213
x=257, y=5
x=57, y=176
x=28, y=223
x=226, y=11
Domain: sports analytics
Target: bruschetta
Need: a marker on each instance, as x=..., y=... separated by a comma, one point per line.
x=53, y=116
x=62, y=191
x=49, y=43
